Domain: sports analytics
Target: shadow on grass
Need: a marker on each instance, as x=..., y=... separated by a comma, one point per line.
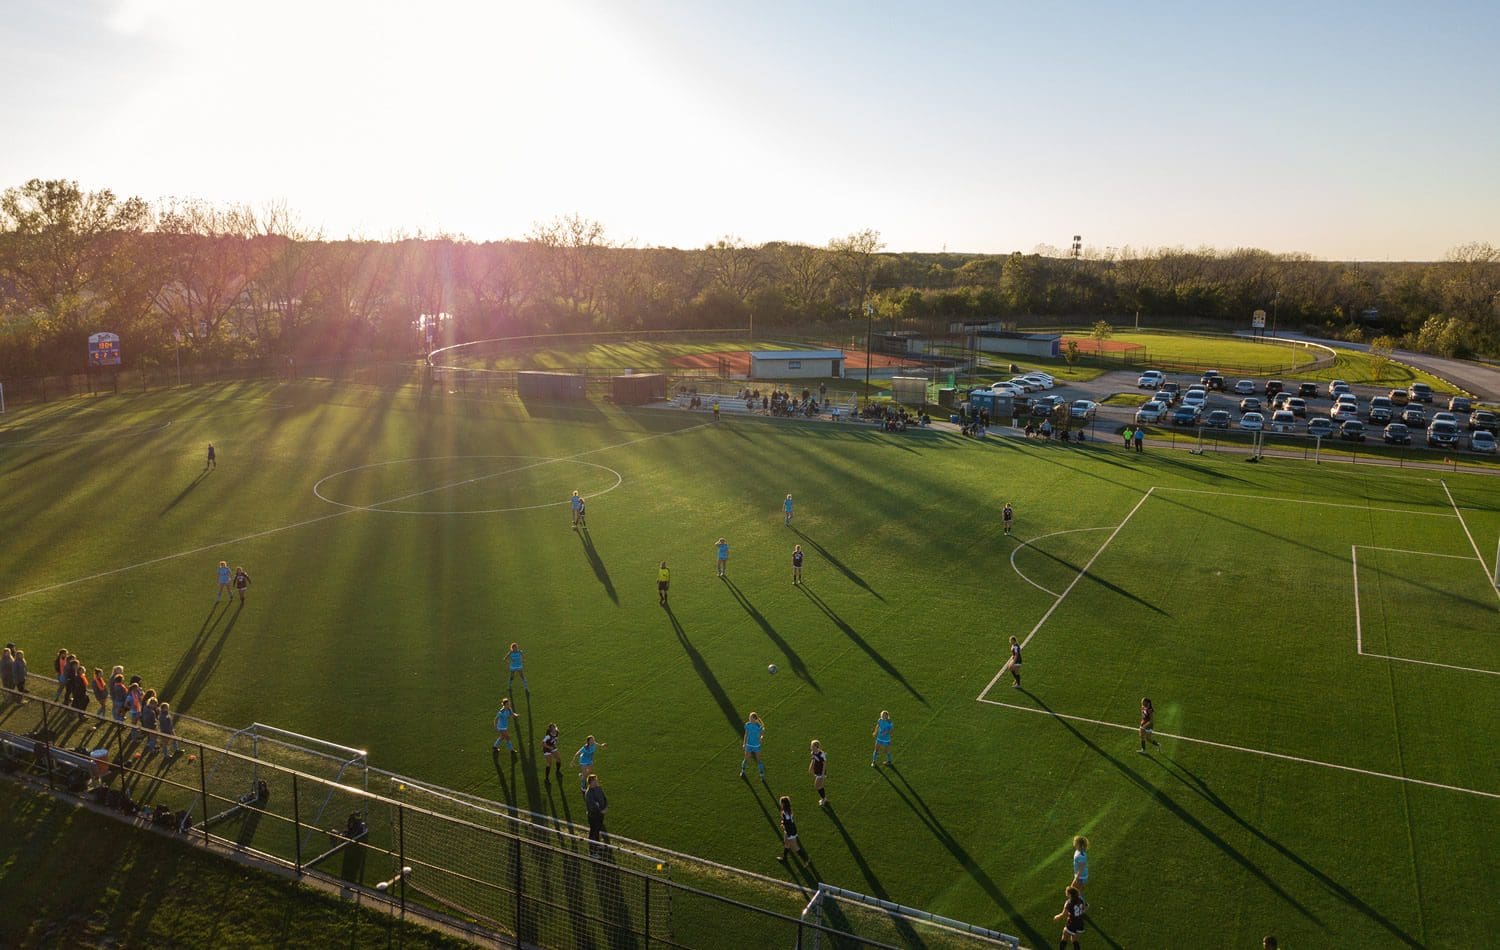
x=860, y=642
x=185, y=492
x=1078, y=569
x=840, y=566
x=205, y=670
x=1182, y=814
x=705, y=673
x=1192, y=781
x=189, y=658
x=919, y=807
x=792, y=656
x=597, y=563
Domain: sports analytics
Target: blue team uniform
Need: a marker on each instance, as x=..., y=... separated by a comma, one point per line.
x=753, y=732
x=515, y=661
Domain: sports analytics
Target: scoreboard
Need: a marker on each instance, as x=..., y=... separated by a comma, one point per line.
x=104, y=349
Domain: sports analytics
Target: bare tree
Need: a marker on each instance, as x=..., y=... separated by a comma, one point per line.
x=735, y=268
x=571, y=256
x=855, y=258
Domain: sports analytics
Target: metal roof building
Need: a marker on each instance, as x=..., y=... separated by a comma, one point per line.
x=796, y=364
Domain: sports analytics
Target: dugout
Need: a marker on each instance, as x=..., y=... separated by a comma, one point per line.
x=637, y=389
x=1011, y=341
x=909, y=390
x=796, y=364
x=560, y=386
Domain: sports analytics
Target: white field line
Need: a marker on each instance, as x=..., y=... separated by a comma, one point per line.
x=1359, y=634
x=1261, y=752
x=302, y=524
x=1028, y=544
x=1483, y=566
x=1069, y=589
x=1306, y=501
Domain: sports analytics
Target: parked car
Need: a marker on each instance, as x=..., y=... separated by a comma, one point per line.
x=1252, y=422
x=1397, y=434
x=1414, y=415
x=1283, y=420
x=1348, y=398
x=1042, y=382
x=1212, y=379
x=1482, y=441
x=1319, y=427
x=1273, y=386
x=1421, y=392
x=1025, y=385
x=1442, y=434
x=1196, y=398
x=1399, y=397
x=1218, y=419
x=1244, y=387
x=1083, y=409
x=1044, y=406
x=1459, y=404
x=1006, y=389
x=1174, y=388
x=1151, y=379
x=1381, y=409
x=1297, y=406
x=1485, y=420
x=1185, y=415
x=1352, y=431
x=1337, y=386
x=1250, y=404
x=1167, y=397
x=1307, y=390
x=1281, y=400
x=1342, y=411
x=1445, y=417
x=1151, y=412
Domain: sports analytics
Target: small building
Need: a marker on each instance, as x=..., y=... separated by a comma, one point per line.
x=549, y=386
x=796, y=364
x=1014, y=341
x=637, y=389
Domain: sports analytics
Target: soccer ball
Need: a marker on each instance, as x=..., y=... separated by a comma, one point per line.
x=771, y=668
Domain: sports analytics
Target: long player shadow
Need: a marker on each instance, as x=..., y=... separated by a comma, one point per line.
x=205, y=670
x=1182, y=814
x=1197, y=784
x=185, y=492
x=705, y=673
x=792, y=656
x=840, y=566
x=597, y=563
x=860, y=642
x=925, y=814
x=190, y=656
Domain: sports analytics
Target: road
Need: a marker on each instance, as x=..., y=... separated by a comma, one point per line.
x=1479, y=379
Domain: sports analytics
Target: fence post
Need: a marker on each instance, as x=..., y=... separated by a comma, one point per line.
x=203, y=790
x=517, y=840
x=401, y=848
x=47, y=732
x=297, y=823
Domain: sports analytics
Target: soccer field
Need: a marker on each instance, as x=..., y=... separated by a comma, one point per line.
x=1322, y=643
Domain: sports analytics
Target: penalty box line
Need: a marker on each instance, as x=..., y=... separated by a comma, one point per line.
x=302, y=524
x=1359, y=627
x=1300, y=760
x=1069, y=589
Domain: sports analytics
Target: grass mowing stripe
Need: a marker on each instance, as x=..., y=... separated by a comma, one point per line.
x=1066, y=590
x=1308, y=501
x=1480, y=793
x=301, y=524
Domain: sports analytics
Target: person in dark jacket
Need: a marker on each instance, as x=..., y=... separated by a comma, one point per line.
x=596, y=804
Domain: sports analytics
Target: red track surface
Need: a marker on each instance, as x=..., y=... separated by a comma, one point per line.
x=1088, y=345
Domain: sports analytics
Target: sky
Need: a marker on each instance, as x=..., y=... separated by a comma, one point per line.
x=1348, y=131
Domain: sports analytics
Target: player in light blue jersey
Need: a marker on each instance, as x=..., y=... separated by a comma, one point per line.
x=514, y=656
x=754, y=731
x=502, y=725
x=576, y=503
x=882, y=734
x=585, y=759
x=721, y=549
x=224, y=575
x=787, y=507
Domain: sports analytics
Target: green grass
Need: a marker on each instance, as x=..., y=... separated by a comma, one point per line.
x=1127, y=399
x=1223, y=352
x=76, y=879
x=1361, y=370
x=1233, y=609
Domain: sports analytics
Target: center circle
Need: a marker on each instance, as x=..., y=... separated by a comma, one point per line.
x=520, y=466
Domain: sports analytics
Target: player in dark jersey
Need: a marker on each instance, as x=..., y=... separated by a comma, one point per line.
x=818, y=767
x=1148, y=724
x=1006, y=516
x=1015, y=663
x=213, y=458
x=1072, y=915
x=789, y=843
x=797, y=564
x=550, y=755
x=241, y=582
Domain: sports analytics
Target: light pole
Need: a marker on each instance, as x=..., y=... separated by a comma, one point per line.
x=1275, y=306
x=869, y=336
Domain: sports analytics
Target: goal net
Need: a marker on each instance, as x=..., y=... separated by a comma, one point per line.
x=846, y=919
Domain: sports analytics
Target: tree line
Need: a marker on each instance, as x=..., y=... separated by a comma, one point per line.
x=185, y=277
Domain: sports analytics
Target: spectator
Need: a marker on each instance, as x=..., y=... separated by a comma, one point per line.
x=60, y=673
x=596, y=804
x=100, y=686
x=118, y=694
x=20, y=674
x=149, y=722
x=78, y=687
x=8, y=669
x=166, y=723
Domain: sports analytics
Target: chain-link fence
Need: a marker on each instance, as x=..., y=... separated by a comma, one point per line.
x=319, y=810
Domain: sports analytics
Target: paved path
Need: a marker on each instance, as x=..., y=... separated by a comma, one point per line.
x=1479, y=379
